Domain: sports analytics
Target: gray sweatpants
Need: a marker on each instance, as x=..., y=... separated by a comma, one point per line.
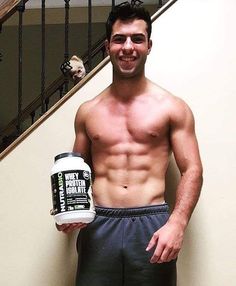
x=112, y=249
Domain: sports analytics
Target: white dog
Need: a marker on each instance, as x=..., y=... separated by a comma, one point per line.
x=74, y=69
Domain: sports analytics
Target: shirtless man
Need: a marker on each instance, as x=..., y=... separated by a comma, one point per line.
x=127, y=134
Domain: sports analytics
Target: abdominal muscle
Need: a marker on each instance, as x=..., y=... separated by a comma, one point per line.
x=129, y=180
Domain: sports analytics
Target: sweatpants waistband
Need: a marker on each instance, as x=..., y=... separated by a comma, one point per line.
x=131, y=212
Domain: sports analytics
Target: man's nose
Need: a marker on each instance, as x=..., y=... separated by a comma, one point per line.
x=128, y=45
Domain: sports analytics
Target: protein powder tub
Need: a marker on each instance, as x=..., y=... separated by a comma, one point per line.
x=71, y=189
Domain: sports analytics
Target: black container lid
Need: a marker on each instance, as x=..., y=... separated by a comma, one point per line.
x=67, y=154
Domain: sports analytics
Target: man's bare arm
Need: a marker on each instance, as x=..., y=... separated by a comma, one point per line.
x=168, y=240
x=186, y=152
x=82, y=142
x=82, y=146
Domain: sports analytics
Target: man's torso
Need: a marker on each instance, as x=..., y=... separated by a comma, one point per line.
x=130, y=148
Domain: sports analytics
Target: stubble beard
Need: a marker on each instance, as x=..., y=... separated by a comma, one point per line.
x=134, y=72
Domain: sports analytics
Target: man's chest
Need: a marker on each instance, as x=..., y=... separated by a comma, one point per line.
x=143, y=124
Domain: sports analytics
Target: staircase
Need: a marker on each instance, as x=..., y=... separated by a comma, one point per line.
x=30, y=105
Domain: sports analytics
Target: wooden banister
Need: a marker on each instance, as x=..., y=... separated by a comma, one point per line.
x=7, y=8
x=55, y=107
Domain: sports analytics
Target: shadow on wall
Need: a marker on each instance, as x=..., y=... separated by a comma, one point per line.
x=186, y=254
x=172, y=179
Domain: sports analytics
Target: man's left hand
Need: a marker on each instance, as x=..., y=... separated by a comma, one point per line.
x=168, y=241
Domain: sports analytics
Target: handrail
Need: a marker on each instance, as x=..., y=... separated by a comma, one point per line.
x=98, y=47
x=55, y=107
x=163, y=9
x=8, y=8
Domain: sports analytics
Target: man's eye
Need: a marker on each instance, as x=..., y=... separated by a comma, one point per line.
x=137, y=39
x=118, y=40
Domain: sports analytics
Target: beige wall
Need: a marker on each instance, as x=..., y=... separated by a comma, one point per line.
x=194, y=49
x=194, y=57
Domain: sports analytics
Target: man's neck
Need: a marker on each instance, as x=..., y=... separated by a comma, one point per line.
x=127, y=89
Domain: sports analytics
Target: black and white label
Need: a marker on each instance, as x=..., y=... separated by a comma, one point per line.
x=70, y=191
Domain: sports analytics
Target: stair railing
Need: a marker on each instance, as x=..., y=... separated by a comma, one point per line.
x=14, y=129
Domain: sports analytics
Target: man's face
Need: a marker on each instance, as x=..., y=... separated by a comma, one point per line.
x=128, y=47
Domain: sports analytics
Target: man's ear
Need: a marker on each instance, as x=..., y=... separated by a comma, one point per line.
x=107, y=47
x=149, y=46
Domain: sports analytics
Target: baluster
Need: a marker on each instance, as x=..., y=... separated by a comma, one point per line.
x=160, y=4
x=21, y=9
x=113, y=4
x=1, y=55
x=43, y=57
x=47, y=103
x=32, y=115
x=66, y=54
x=61, y=91
x=89, y=35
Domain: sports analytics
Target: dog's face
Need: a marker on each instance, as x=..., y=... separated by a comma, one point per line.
x=78, y=70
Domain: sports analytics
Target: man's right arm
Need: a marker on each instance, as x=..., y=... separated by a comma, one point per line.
x=82, y=142
x=82, y=146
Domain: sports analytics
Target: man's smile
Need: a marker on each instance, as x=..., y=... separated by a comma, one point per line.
x=127, y=58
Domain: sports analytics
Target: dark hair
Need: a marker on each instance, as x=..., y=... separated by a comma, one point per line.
x=126, y=11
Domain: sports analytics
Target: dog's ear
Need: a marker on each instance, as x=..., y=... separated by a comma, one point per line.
x=75, y=58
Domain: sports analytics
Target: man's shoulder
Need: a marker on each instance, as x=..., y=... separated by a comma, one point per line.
x=175, y=106
x=85, y=106
x=88, y=105
x=166, y=97
x=179, y=110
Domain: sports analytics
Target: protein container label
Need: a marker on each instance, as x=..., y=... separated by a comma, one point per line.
x=71, y=191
